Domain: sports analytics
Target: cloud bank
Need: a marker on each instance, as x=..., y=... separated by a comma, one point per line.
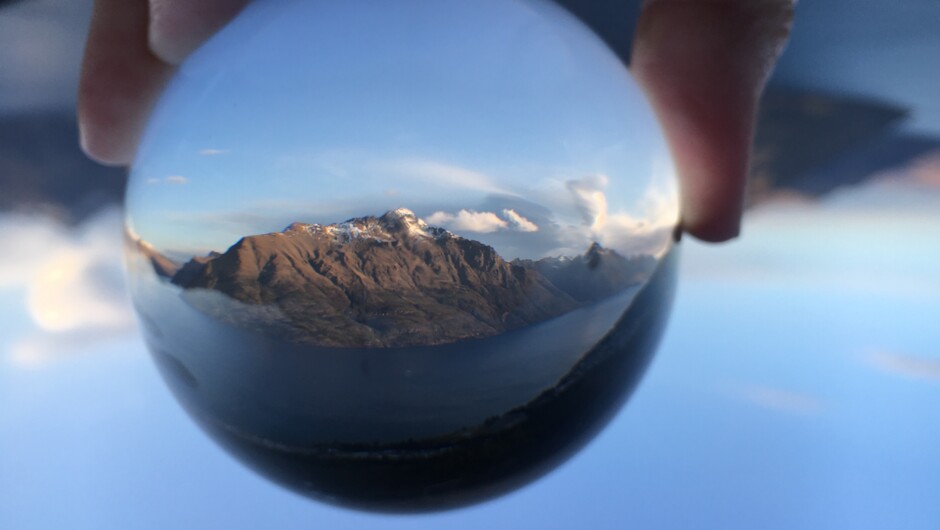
x=649, y=232
x=482, y=222
x=70, y=282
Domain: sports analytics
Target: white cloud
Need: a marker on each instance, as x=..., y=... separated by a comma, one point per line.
x=78, y=288
x=439, y=218
x=71, y=280
x=28, y=242
x=518, y=222
x=468, y=221
x=483, y=222
x=649, y=233
x=589, y=199
x=925, y=368
x=213, y=152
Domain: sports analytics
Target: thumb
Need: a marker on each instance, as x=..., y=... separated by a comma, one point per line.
x=703, y=65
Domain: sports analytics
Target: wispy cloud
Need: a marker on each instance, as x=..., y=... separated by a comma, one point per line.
x=428, y=172
x=174, y=180
x=441, y=173
x=213, y=152
x=905, y=365
x=780, y=400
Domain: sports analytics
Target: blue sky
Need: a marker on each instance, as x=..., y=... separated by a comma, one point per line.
x=320, y=111
x=796, y=388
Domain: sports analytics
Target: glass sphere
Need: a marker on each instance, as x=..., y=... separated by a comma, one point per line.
x=402, y=256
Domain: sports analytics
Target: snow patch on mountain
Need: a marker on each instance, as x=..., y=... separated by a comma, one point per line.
x=397, y=224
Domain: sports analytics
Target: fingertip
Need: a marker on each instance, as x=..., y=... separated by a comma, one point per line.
x=713, y=230
x=713, y=213
x=179, y=27
x=169, y=49
x=101, y=147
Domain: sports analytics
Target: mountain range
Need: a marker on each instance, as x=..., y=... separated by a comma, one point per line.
x=393, y=281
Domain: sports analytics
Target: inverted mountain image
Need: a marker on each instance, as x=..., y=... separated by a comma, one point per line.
x=394, y=281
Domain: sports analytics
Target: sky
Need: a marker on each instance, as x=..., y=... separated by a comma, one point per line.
x=440, y=108
x=796, y=387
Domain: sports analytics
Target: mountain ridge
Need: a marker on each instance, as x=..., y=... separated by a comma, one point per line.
x=394, y=280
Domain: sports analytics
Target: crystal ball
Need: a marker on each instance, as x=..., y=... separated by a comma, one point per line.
x=402, y=256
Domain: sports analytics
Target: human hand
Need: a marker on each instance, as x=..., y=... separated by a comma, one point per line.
x=133, y=48
x=702, y=63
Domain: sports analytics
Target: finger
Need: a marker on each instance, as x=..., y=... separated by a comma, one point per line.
x=703, y=65
x=177, y=27
x=121, y=79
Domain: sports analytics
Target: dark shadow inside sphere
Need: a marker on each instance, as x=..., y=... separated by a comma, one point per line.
x=468, y=464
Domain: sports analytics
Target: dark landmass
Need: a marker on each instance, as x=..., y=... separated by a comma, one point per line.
x=394, y=281
x=798, y=131
x=43, y=168
x=882, y=156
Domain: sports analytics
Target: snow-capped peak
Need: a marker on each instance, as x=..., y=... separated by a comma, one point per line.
x=403, y=218
x=401, y=212
x=388, y=227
